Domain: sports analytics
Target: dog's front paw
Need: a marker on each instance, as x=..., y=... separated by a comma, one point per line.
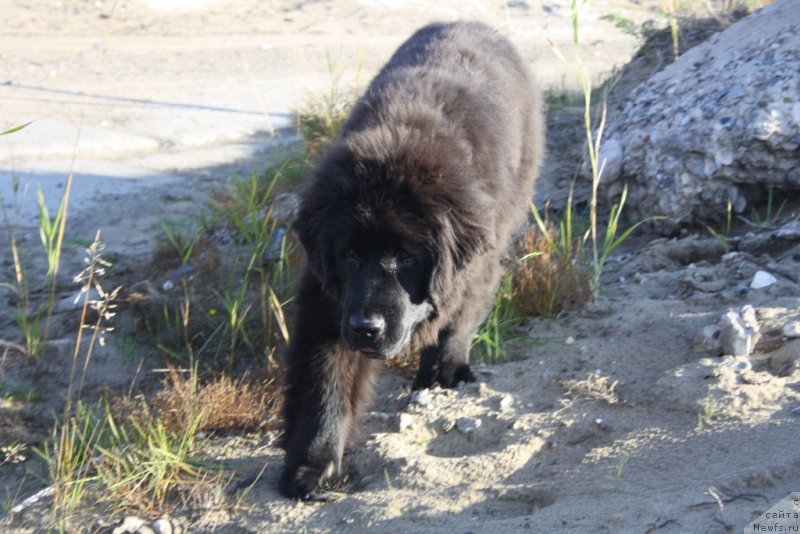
x=306, y=483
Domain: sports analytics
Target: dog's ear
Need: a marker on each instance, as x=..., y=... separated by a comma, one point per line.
x=319, y=253
x=456, y=240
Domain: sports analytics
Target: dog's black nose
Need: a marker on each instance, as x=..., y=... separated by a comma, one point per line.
x=368, y=328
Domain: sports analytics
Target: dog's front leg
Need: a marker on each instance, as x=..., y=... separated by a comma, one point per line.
x=325, y=397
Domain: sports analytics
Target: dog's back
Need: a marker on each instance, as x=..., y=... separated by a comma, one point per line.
x=475, y=84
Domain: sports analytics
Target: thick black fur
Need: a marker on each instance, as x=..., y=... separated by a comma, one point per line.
x=405, y=223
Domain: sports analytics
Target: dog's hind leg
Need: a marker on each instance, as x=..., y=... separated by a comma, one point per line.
x=479, y=299
x=447, y=362
x=430, y=363
x=455, y=359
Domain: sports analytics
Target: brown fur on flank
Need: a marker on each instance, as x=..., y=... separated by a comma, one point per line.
x=409, y=213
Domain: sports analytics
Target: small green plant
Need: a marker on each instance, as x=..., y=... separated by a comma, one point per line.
x=33, y=321
x=704, y=417
x=672, y=9
x=183, y=245
x=27, y=316
x=15, y=129
x=50, y=231
x=144, y=463
x=388, y=479
x=551, y=273
x=769, y=217
x=498, y=327
x=73, y=446
x=10, y=499
x=234, y=307
x=600, y=251
x=621, y=465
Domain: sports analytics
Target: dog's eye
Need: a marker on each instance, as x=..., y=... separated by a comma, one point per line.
x=352, y=257
x=405, y=259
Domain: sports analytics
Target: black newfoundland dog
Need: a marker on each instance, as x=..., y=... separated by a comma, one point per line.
x=405, y=223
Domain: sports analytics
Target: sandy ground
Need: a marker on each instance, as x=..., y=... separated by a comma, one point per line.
x=608, y=420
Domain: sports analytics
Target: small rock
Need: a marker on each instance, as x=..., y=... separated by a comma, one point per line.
x=708, y=339
x=276, y=247
x=184, y=271
x=611, y=158
x=131, y=525
x=468, y=425
x=448, y=425
x=597, y=308
x=739, y=331
x=791, y=330
x=404, y=421
x=422, y=397
x=740, y=365
x=782, y=361
x=75, y=300
x=750, y=377
x=762, y=279
x=790, y=230
x=569, y=341
x=143, y=294
x=506, y=402
x=600, y=425
x=284, y=207
x=162, y=526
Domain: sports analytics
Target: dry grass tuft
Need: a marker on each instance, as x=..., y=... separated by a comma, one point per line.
x=549, y=276
x=321, y=118
x=594, y=386
x=405, y=364
x=228, y=403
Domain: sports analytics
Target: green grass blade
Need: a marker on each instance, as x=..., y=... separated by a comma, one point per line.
x=17, y=128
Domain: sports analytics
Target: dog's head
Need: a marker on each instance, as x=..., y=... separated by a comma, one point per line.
x=386, y=240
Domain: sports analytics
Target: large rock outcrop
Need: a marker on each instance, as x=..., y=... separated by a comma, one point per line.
x=719, y=126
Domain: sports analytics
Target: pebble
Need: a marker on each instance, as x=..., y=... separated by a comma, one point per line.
x=791, y=330
x=422, y=397
x=569, y=341
x=185, y=271
x=276, y=247
x=75, y=300
x=468, y=425
x=740, y=365
x=707, y=339
x=404, y=421
x=506, y=402
x=782, y=361
x=448, y=425
x=739, y=331
x=600, y=425
x=131, y=525
x=790, y=230
x=762, y=279
x=162, y=526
